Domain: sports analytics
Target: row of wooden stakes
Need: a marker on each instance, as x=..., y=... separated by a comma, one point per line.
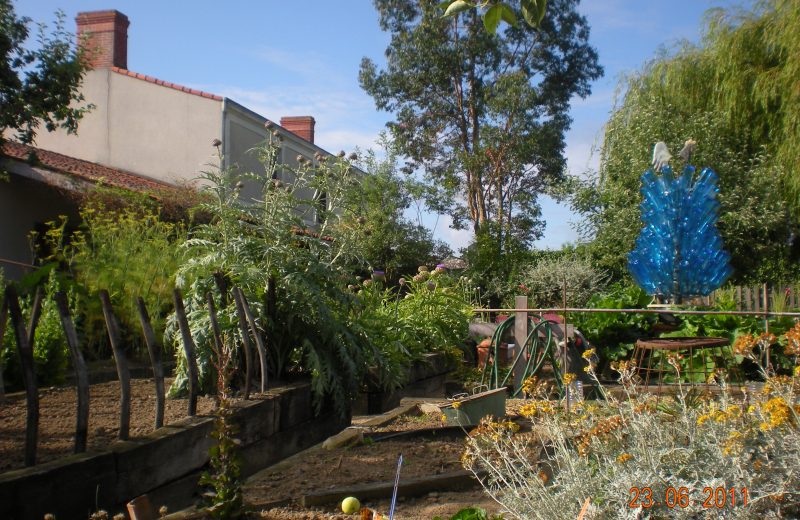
x=24, y=334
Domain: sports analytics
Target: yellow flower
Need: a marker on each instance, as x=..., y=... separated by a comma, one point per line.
x=443, y=418
x=797, y=371
x=456, y=405
x=587, y=354
x=569, y=378
x=625, y=457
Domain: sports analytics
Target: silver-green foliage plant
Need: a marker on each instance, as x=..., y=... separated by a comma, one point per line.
x=544, y=281
x=608, y=451
x=290, y=250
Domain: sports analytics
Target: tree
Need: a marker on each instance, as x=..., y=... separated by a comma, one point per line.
x=733, y=95
x=38, y=84
x=391, y=241
x=482, y=115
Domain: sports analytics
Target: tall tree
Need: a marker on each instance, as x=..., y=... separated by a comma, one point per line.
x=736, y=94
x=482, y=115
x=39, y=82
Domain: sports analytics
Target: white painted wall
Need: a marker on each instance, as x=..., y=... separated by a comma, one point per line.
x=141, y=127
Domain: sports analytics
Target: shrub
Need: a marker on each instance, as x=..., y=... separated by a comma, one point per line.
x=671, y=454
x=544, y=282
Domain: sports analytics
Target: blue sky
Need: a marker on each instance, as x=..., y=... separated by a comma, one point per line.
x=302, y=57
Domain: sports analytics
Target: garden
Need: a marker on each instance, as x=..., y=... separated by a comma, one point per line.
x=312, y=352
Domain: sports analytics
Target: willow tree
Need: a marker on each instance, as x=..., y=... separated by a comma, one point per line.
x=736, y=94
x=482, y=114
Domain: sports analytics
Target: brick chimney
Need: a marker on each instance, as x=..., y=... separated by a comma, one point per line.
x=301, y=126
x=105, y=36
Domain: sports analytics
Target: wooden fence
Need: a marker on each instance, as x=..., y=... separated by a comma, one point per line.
x=757, y=297
x=24, y=334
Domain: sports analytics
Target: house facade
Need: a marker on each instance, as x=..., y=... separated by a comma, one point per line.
x=142, y=126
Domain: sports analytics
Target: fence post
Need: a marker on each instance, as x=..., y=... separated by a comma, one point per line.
x=28, y=373
x=260, y=346
x=3, y=321
x=248, y=354
x=154, y=349
x=520, y=335
x=122, y=366
x=188, y=349
x=81, y=374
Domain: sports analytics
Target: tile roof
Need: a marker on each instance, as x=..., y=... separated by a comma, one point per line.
x=85, y=170
x=167, y=84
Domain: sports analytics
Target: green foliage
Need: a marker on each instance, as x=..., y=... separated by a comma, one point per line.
x=130, y=252
x=294, y=275
x=494, y=12
x=544, y=281
x=39, y=83
x=614, y=334
x=472, y=513
x=50, y=355
x=391, y=242
x=734, y=94
x=224, y=499
x=482, y=115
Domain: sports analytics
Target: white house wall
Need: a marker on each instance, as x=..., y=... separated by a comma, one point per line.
x=142, y=127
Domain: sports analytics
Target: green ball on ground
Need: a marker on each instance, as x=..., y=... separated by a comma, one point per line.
x=350, y=505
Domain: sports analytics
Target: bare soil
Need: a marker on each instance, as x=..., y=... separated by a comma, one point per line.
x=58, y=412
x=317, y=469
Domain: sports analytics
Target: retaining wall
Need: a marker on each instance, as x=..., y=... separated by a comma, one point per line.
x=167, y=463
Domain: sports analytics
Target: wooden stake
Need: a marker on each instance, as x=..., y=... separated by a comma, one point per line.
x=260, y=346
x=28, y=374
x=584, y=509
x=248, y=361
x=154, y=349
x=81, y=374
x=114, y=337
x=188, y=349
x=3, y=321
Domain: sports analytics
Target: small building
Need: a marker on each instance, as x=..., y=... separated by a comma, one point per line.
x=151, y=132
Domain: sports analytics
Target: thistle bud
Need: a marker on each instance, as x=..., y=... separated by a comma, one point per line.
x=402, y=281
x=216, y=143
x=353, y=156
x=269, y=125
x=341, y=153
x=431, y=286
x=361, y=220
x=301, y=159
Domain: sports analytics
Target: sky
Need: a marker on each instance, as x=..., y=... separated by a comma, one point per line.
x=302, y=57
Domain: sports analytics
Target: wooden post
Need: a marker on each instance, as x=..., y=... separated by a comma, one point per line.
x=3, y=321
x=248, y=355
x=81, y=374
x=739, y=298
x=154, y=349
x=766, y=308
x=260, y=346
x=188, y=349
x=122, y=365
x=222, y=388
x=520, y=335
x=28, y=375
x=36, y=313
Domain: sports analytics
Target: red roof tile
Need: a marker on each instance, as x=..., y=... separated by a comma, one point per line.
x=85, y=170
x=163, y=83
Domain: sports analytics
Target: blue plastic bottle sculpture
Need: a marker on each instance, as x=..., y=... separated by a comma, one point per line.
x=679, y=251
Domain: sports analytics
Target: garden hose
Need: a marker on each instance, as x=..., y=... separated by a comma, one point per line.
x=538, y=348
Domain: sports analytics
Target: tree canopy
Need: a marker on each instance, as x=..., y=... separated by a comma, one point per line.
x=39, y=83
x=482, y=115
x=736, y=94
